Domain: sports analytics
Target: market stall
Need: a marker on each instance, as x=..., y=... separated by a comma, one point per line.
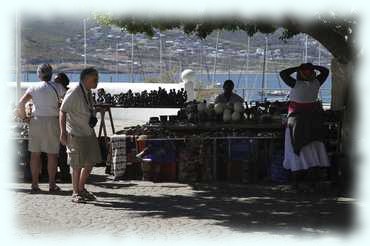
x=201, y=143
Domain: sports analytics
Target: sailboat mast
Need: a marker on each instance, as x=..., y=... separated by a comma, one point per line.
x=117, y=60
x=85, y=43
x=247, y=68
x=264, y=71
x=215, y=64
x=229, y=67
x=132, y=58
x=160, y=56
x=305, y=49
x=319, y=62
x=201, y=59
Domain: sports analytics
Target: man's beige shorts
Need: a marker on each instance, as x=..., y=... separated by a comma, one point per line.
x=83, y=151
x=44, y=135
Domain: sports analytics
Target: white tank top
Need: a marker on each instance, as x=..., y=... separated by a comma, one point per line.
x=305, y=91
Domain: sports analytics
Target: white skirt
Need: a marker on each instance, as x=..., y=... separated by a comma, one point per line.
x=311, y=155
x=44, y=134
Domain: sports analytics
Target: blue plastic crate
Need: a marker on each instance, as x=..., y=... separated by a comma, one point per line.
x=161, y=151
x=278, y=173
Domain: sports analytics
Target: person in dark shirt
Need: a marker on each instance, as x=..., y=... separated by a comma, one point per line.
x=64, y=175
x=62, y=78
x=228, y=95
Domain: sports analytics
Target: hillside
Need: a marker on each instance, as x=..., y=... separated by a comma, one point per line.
x=61, y=43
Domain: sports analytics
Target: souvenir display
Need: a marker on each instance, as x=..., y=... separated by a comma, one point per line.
x=153, y=98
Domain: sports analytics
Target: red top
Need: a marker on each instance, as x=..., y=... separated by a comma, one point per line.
x=303, y=107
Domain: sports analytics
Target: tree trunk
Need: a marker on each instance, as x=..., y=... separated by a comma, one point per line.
x=343, y=99
x=340, y=81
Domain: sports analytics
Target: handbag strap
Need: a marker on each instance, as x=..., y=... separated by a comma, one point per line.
x=55, y=90
x=86, y=100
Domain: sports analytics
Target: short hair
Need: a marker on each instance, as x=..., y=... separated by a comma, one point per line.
x=45, y=71
x=228, y=82
x=86, y=72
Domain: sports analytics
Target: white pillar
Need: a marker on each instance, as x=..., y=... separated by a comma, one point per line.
x=18, y=61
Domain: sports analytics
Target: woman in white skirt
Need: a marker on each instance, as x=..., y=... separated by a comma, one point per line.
x=304, y=147
x=44, y=125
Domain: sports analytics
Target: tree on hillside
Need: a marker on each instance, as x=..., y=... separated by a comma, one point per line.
x=334, y=33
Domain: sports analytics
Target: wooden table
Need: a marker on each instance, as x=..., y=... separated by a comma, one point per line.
x=102, y=109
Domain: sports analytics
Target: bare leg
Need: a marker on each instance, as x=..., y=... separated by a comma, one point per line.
x=83, y=177
x=76, y=173
x=35, y=168
x=52, y=168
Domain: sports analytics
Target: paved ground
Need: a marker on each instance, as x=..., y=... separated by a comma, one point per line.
x=146, y=209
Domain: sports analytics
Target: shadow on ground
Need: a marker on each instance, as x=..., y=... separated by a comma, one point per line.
x=252, y=208
x=45, y=192
x=243, y=208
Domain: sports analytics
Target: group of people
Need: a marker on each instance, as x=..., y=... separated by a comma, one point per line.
x=66, y=117
x=62, y=117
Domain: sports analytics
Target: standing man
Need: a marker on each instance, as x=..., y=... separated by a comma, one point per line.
x=77, y=121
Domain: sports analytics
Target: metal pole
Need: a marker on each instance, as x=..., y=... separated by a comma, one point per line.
x=180, y=62
x=117, y=61
x=160, y=56
x=201, y=59
x=320, y=95
x=247, y=65
x=18, y=55
x=132, y=58
x=85, y=43
x=264, y=71
x=215, y=63
x=306, y=48
x=229, y=68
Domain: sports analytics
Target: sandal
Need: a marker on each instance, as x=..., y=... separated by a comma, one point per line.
x=77, y=198
x=54, y=189
x=87, y=195
x=35, y=190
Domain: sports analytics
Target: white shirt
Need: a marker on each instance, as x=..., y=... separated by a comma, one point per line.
x=45, y=99
x=78, y=112
x=305, y=91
